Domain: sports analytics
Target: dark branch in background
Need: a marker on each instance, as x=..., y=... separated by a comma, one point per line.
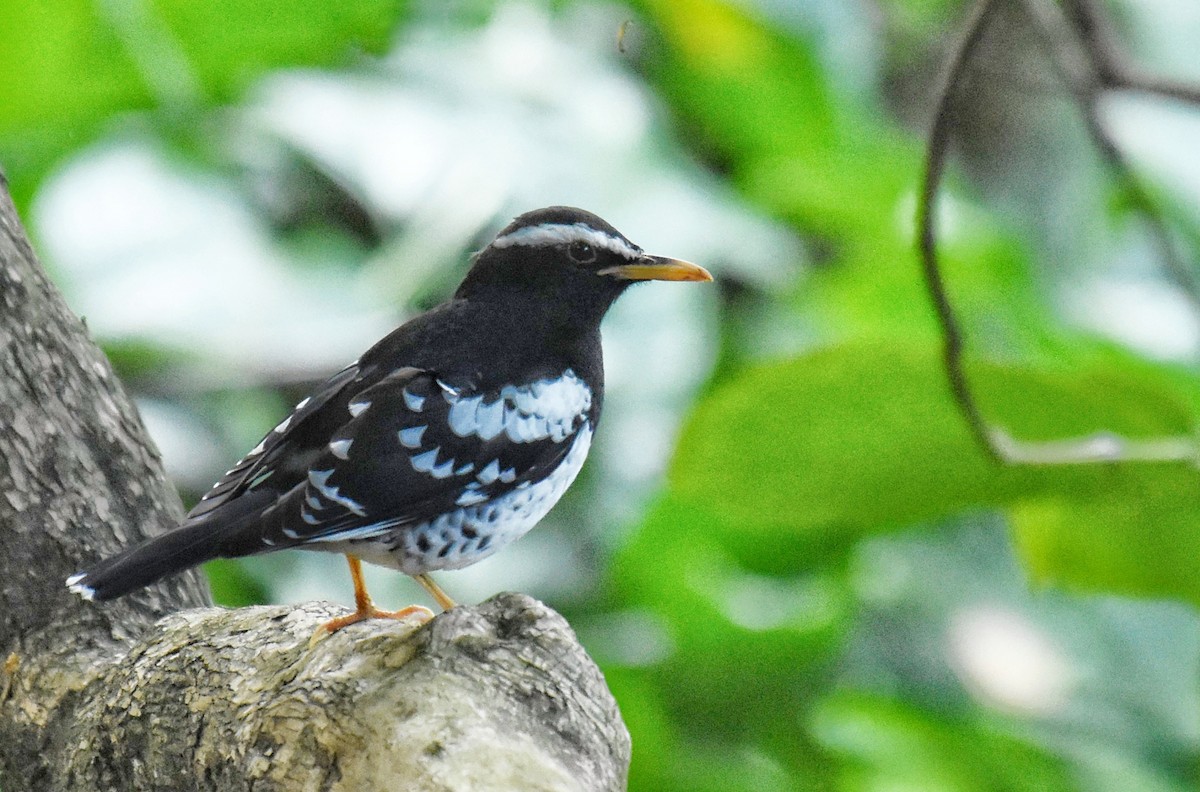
x=1114, y=69
x=1088, y=61
x=935, y=163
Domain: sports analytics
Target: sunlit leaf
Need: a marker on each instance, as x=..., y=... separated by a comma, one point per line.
x=70, y=64
x=748, y=88
x=863, y=437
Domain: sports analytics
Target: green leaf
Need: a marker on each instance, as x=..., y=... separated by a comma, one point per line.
x=861, y=438
x=847, y=439
x=749, y=89
x=1138, y=536
x=228, y=43
x=69, y=64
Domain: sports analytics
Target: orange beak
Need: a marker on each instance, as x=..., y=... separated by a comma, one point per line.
x=659, y=268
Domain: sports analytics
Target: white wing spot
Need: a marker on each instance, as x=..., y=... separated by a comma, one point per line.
x=490, y=473
x=413, y=401
x=470, y=498
x=283, y=425
x=260, y=478
x=340, y=448
x=357, y=408
x=411, y=437
x=319, y=480
x=424, y=463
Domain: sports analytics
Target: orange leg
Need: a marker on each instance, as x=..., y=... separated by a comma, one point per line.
x=365, y=609
x=436, y=592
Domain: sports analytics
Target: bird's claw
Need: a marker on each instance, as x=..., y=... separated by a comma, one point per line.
x=422, y=614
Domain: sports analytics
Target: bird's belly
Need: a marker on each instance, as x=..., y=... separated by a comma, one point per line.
x=472, y=533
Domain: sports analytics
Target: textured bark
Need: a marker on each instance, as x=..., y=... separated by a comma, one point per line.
x=158, y=692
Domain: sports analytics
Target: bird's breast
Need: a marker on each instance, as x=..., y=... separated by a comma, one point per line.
x=463, y=536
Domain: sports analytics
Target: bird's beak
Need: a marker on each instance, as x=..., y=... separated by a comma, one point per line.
x=659, y=268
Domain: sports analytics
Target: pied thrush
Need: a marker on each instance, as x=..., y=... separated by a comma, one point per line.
x=448, y=439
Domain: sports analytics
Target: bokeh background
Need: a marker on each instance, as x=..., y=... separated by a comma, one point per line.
x=795, y=567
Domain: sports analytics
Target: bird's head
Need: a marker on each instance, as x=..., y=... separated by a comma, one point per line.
x=568, y=255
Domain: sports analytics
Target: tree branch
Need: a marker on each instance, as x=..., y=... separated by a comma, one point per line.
x=1084, y=53
x=1114, y=68
x=935, y=165
x=1086, y=61
x=108, y=696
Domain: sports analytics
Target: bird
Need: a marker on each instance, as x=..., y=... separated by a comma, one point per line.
x=445, y=441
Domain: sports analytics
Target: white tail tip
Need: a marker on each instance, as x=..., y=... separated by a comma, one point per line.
x=87, y=592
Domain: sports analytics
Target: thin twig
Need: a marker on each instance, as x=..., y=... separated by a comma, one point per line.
x=1114, y=69
x=1098, y=448
x=1165, y=88
x=935, y=162
x=1080, y=76
x=1087, y=61
x=1160, y=86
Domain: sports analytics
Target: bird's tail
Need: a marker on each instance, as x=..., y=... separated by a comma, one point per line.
x=172, y=552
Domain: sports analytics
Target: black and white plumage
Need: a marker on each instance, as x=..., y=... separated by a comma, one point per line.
x=451, y=437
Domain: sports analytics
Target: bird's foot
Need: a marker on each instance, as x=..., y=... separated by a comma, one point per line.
x=421, y=613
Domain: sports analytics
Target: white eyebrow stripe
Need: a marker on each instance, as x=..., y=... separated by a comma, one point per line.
x=562, y=233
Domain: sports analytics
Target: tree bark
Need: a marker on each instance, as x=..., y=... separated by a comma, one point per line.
x=159, y=691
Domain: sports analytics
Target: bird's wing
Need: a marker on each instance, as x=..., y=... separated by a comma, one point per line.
x=281, y=459
x=417, y=448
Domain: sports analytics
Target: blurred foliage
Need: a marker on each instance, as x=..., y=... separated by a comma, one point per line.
x=790, y=612
x=231, y=586
x=797, y=467
x=71, y=65
x=786, y=467
x=886, y=744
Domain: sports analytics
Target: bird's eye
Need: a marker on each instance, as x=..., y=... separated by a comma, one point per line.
x=582, y=252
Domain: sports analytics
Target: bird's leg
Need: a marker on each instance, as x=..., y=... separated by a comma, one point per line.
x=365, y=609
x=362, y=599
x=436, y=592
